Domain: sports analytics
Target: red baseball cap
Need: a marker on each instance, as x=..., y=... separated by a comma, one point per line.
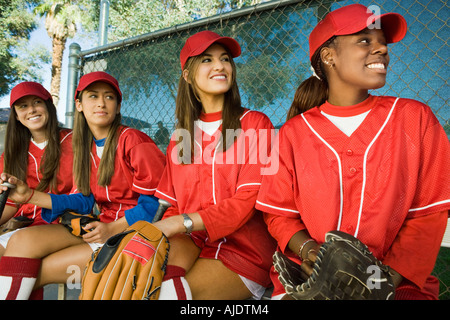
x=352, y=19
x=199, y=42
x=95, y=76
x=28, y=88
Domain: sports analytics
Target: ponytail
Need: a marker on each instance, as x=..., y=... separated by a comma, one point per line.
x=312, y=92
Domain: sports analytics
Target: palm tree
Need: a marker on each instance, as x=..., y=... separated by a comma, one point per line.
x=60, y=22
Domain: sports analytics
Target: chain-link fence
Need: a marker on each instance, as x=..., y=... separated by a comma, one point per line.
x=274, y=61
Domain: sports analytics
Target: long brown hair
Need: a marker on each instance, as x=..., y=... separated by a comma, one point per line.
x=312, y=92
x=82, y=145
x=17, y=141
x=189, y=107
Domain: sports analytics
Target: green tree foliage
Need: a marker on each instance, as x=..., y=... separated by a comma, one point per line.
x=261, y=75
x=16, y=24
x=153, y=69
x=61, y=19
x=129, y=18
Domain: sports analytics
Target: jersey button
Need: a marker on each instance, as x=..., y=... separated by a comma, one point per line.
x=349, y=152
x=353, y=170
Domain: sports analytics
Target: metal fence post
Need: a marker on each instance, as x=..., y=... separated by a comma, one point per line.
x=74, y=62
x=103, y=27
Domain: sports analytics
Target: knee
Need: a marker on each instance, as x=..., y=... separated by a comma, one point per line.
x=183, y=252
x=22, y=244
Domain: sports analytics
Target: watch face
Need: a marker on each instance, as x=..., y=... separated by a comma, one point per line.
x=188, y=224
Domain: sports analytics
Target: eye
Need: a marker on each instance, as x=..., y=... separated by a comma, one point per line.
x=364, y=40
x=206, y=60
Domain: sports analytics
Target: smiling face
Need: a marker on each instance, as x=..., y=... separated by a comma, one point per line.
x=32, y=113
x=357, y=63
x=99, y=103
x=214, y=75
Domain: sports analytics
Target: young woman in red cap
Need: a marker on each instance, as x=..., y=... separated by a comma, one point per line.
x=37, y=151
x=116, y=167
x=375, y=167
x=219, y=247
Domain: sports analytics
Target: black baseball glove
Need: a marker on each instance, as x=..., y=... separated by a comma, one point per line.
x=345, y=269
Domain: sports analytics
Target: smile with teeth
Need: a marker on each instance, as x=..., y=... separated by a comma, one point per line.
x=376, y=66
x=219, y=77
x=34, y=118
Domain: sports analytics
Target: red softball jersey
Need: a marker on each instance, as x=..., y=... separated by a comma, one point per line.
x=64, y=176
x=138, y=167
x=222, y=187
x=388, y=184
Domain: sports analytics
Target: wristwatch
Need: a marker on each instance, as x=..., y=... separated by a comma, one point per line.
x=188, y=224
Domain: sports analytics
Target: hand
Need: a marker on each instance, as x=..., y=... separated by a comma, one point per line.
x=100, y=231
x=171, y=226
x=311, y=256
x=21, y=193
x=302, y=244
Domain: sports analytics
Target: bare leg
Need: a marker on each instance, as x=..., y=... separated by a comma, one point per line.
x=40, y=241
x=207, y=278
x=183, y=251
x=210, y=279
x=182, y=255
x=55, y=267
x=57, y=248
